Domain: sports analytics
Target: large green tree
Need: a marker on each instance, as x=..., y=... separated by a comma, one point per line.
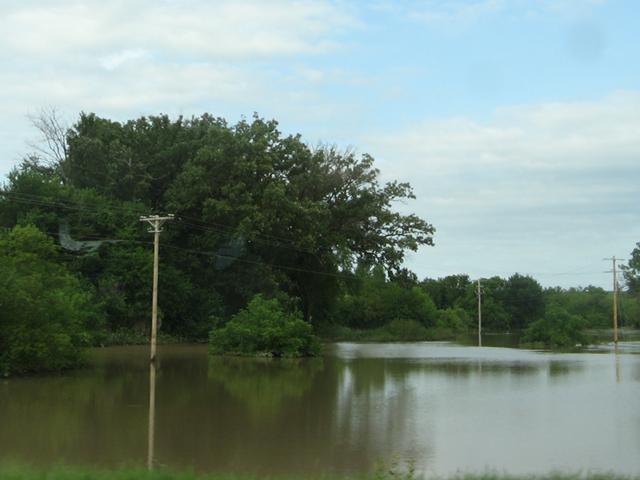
x=257, y=212
x=448, y=291
x=523, y=300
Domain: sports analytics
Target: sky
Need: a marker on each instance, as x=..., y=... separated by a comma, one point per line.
x=517, y=122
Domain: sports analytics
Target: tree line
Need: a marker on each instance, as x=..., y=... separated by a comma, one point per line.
x=257, y=213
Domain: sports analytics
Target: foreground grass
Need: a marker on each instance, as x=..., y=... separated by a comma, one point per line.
x=381, y=473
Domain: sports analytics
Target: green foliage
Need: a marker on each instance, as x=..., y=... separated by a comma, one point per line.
x=631, y=271
x=373, y=301
x=592, y=304
x=630, y=310
x=257, y=212
x=133, y=336
x=402, y=330
x=523, y=300
x=449, y=291
x=265, y=328
x=263, y=385
x=456, y=319
x=46, y=314
x=495, y=316
x=394, y=470
x=558, y=328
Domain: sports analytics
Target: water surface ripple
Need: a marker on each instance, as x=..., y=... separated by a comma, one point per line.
x=448, y=408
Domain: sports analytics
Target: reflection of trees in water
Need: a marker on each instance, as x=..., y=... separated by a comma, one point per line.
x=374, y=412
x=263, y=384
x=89, y=416
x=237, y=414
x=558, y=368
x=390, y=406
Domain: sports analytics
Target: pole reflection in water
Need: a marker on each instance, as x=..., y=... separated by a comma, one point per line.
x=152, y=414
x=617, y=363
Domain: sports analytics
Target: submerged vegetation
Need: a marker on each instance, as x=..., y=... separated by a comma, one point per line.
x=558, y=328
x=264, y=328
x=257, y=213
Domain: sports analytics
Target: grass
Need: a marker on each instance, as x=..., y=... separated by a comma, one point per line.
x=132, y=336
x=381, y=473
x=395, y=331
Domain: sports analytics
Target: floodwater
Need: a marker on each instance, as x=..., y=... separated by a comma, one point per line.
x=446, y=408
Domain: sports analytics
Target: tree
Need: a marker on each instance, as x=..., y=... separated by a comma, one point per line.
x=495, y=316
x=52, y=144
x=376, y=301
x=631, y=271
x=257, y=211
x=298, y=210
x=592, y=304
x=523, y=300
x=46, y=313
x=448, y=291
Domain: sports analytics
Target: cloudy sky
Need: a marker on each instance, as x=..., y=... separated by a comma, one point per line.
x=516, y=121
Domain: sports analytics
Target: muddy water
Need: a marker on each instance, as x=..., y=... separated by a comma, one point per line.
x=445, y=407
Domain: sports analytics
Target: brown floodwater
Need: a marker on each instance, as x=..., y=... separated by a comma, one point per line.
x=447, y=408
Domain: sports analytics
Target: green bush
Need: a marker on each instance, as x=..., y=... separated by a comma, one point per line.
x=405, y=330
x=376, y=301
x=558, y=328
x=45, y=312
x=264, y=328
x=456, y=319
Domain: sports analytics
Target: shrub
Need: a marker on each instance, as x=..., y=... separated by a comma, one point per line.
x=455, y=319
x=45, y=311
x=405, y=330
x=264, y=328
x=558, y=328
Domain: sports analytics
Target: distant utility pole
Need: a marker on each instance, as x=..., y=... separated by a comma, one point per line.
x=615, y=299
x=156, y=223
x=479, y=314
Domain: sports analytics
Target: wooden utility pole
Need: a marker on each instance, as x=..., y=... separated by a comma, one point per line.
x=615, y=300
x=156, y=223
x=152, y=416
x=479, y=314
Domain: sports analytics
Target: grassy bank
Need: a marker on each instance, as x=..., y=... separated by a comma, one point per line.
x=66, y=473
x=395, y=331
x=133, y=336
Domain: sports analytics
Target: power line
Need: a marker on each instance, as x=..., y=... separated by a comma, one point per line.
x=283, y=267
x=33, y=199
x=219, y=255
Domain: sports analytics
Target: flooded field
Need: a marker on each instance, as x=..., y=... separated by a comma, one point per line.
x=445, y=407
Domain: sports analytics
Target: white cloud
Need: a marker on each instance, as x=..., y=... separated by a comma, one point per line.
x=222, y=29
x=532, y=182
x=123, y=59
x=575, y=135
x=115, y=60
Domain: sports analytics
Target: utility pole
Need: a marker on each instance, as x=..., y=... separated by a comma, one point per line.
x=615, y=300
x=151, y=438
x=156, y=223
x=479, y=314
